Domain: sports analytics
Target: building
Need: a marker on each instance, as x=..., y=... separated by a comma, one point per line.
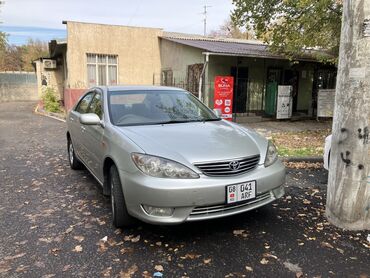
x=98, y=54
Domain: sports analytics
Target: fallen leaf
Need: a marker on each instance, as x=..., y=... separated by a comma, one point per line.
x=159, y=268
x=66, y=267
x=7, y=258
x=47, y=275
x=79, y=238
x=146, y=274
x=248, y=268
x=100, y=222
x=127, y=250
x=292, y=267
x=268, y=255
x=207, y=261
x=21, y=268
x=102, y=247
x=129, y=272
x=106, y=272
x=326, y=244
x=190, y=256
x=238, y=232
x=78, y=248
x=54, y=251
x=47, y=240
x=299, y=274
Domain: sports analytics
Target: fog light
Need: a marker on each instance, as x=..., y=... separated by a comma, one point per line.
x=155, y=211
x=279, y=192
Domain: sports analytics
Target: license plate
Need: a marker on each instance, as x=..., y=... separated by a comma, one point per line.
x=241, y=192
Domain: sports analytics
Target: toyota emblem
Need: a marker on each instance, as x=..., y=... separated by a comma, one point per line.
x=234, y=165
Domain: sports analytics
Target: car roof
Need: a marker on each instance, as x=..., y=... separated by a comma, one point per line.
x=138, y=88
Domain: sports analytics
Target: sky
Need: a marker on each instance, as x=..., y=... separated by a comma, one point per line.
x=42, y=19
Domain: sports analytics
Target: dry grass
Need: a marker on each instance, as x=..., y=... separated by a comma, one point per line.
x=306, y=143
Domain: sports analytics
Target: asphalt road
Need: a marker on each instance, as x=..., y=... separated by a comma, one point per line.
x=54, y=222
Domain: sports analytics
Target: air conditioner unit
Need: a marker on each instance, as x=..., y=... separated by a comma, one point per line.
x=49, y=64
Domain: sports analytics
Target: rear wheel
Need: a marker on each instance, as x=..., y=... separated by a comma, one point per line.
x=74, y=162
x=120, y=215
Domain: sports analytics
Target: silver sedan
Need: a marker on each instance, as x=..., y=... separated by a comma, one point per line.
x=166, y=158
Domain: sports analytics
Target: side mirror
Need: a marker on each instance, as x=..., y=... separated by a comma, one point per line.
x=89, y=119
x=217, y=112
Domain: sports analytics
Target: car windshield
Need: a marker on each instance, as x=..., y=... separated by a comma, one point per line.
x=148, y=107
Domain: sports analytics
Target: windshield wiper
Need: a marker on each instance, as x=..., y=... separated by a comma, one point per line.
x=179, y=121
x=212, y=120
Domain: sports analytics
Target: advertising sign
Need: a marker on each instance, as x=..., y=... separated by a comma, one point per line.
x=325, y=103
x=223, y=98
x=284, y=102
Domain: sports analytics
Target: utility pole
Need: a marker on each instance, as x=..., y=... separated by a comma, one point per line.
x=348, y=196
x=205, y=19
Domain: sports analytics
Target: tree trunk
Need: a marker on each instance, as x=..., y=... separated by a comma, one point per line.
x=348, y=197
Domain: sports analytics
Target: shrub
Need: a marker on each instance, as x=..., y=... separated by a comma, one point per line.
x=50, y=99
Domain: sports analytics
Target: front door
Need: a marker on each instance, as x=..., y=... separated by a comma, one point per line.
x=291, y=78
x=240, y=75
x=273, y=80
x=76, y=128
x=93, y=139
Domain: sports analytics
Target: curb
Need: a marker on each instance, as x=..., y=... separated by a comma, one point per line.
x=312, y=159
x=48, y=114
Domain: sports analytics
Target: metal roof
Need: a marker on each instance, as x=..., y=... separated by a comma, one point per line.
x=231, y=47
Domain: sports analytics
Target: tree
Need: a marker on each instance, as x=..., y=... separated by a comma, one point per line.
x=31, y=51
x=20, y=58
x=230, y=30
x=290, y=26
x=3, y=45
x=13, y=58
x=348, y=197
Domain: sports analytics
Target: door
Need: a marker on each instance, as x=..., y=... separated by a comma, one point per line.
x=291, y=78
x=240, y=75
x=75, y=128
x=93, y=138
x=273, y=80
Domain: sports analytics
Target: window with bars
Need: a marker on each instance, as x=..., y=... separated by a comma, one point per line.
x=101, y=69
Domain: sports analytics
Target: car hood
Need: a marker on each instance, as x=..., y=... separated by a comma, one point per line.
x=194, y=142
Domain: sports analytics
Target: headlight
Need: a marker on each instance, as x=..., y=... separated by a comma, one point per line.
x=271, y=155
x=162, y=168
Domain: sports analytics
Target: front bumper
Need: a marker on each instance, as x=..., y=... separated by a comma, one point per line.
x=198, y=199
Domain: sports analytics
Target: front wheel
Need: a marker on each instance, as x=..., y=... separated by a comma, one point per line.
x=74, y=162
x=120, y=215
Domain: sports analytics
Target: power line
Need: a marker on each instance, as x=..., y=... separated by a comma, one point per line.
x=135, y=12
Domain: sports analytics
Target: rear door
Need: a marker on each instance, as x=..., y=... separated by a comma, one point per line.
x=76, y=129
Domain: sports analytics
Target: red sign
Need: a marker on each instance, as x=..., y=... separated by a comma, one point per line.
x=223, y=99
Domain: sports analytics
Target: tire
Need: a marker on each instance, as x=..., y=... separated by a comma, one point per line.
x=120, y=215
x=74, y=162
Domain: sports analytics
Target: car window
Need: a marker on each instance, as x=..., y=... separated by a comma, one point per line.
x=96, y=105
x=144, y=107
x=84, y=103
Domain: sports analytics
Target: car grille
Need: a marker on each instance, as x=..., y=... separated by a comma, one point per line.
x=226, y=209
x=223, y=168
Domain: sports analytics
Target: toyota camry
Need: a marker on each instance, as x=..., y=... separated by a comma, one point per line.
x=164, y=157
